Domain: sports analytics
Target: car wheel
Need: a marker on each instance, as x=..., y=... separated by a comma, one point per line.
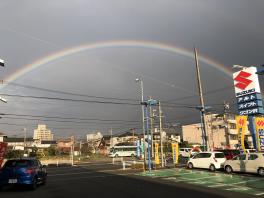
x=190, y=165
x=228, y=169
x=212, y=168
x=34, y=186
x=261, y=171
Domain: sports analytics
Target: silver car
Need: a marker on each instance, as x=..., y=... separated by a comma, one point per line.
x=248, y=163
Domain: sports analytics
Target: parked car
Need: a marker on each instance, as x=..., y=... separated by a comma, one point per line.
x=249, y=163
x=23, y=172
x=185, y=152
x=229, y=153
x=208, y=160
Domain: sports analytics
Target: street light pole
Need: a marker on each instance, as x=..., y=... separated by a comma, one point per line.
x=201, y=98
x=143, y=117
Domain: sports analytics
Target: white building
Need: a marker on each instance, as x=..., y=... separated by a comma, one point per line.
x=42, y=133
x=221, y=132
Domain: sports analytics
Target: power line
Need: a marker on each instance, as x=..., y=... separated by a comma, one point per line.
x=67, y=118
x=63, y=121
x=70, y=93
x=67, y=99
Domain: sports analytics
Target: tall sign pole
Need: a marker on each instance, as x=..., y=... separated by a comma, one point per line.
x=249, y=99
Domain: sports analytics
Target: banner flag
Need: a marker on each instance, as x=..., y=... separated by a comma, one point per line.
x=241, y=123
x=259, y=123
x=157, y=160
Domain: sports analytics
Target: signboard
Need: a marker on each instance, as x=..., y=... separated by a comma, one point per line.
x=157, y=161
x=247, y=92
x=241, y=123
x=246, y=82
x=248, y=98
x=175, y=152
x=3, y=148
x=251, y=104
x=258, y=110
x=259, y=122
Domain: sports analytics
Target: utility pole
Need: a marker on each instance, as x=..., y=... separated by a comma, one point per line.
x=151, y=129
x=226, y=108
x=161, y=143
x=72, y=150
x=143, y=118
x=25, y=139
x=80, y=148
x=202, y=110
x=111, y=137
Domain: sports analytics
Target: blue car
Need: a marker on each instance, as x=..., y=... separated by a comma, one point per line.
x=28, y=172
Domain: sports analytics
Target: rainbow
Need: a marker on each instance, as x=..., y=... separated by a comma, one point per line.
x=115, y=44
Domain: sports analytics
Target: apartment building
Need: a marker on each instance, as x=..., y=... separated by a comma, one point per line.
x=221, y=132
x=42, y=133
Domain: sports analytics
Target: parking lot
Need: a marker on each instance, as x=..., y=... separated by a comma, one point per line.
x=246, y=184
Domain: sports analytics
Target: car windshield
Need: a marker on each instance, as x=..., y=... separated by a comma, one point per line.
x=18, y=163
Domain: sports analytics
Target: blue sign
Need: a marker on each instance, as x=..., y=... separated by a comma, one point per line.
x=138, y=148
x=251, y=104
x=261, y=139
x=257, y=110
x=248, y=98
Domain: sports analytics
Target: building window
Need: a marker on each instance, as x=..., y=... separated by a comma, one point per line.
x=232, y=126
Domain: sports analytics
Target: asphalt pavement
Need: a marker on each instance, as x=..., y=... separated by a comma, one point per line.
x=103, y=179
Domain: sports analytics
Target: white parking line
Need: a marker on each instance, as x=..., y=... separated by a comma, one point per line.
x=65, y=174
x=232, y=184
x=238, y=188
x=258, y=194
x=217, y=185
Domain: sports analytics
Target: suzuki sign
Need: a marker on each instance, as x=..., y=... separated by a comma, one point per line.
x=246, y=82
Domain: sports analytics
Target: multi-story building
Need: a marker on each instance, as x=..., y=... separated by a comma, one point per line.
x=221, y=132
x=42, y=133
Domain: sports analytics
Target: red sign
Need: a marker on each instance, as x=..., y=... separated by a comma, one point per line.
x=242, y=80
x=3, y=148
x=260, y=123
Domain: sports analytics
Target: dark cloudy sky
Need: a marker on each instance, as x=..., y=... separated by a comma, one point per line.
x=229, y=32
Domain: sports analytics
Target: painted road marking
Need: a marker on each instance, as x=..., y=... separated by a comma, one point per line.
x=64, y=174
x=231, y=184
x=258, y=194
x=238, y=188
x=237, y=183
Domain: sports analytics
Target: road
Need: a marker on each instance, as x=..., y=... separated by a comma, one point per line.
x=107, y=180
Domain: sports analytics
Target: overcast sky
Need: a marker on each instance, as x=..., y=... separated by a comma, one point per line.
x=229, y=32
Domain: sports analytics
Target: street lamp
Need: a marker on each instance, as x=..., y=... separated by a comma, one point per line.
x=139, y=80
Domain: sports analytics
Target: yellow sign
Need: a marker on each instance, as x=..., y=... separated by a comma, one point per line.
x=241, y=123
x=175, y=152
x=259, y=123
x=157, y=154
